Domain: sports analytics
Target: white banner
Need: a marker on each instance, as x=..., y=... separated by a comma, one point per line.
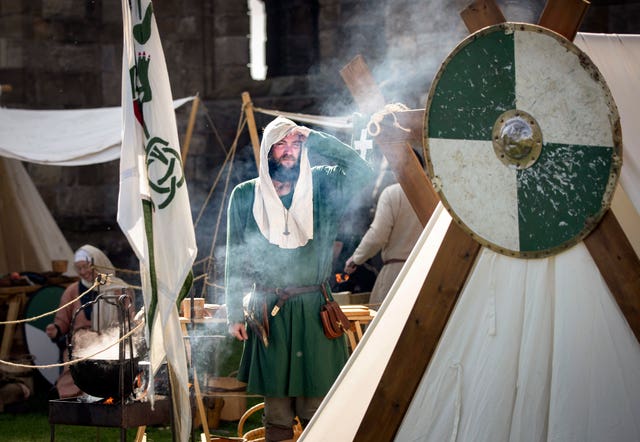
x=153, y=205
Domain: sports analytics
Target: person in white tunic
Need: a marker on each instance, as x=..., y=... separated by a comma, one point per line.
x=393, y=232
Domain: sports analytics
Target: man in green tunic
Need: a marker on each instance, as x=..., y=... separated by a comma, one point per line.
x=280, y=232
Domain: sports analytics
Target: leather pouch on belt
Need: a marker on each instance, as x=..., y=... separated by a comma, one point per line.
x=334, y=321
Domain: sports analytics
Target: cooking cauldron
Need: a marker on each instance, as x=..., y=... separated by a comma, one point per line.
x=101, y=377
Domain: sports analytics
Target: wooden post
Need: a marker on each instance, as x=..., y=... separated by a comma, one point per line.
x=564, y=16
x=196, y=385
x=253, y=130
x=480, y=14
x=187, y=137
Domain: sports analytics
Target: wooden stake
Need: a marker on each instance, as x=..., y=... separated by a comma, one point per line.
x=190, y=125
x=253, y=130
x=564, y=16
x=480, y=14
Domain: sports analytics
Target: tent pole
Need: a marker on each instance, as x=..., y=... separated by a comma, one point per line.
x=253, y=130
x=187, y=137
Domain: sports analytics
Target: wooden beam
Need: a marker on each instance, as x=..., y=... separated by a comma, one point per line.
x=420, y=336
x=619, y=266
x=564, y=16
x=363, y=87
x=480, y=14
x=251, y=123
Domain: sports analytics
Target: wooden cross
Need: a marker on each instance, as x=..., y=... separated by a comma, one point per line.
x=608, y=245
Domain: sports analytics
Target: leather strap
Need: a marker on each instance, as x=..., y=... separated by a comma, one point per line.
x=286, y=293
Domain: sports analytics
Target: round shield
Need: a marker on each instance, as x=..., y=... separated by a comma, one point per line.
x=45, y=352
x=522, y=140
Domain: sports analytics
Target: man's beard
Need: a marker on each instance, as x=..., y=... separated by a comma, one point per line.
x=281, y=173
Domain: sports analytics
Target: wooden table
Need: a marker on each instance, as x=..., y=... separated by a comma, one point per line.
x=15, y=297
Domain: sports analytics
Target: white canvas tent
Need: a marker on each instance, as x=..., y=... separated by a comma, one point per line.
x=29, y=236
x=534, y=350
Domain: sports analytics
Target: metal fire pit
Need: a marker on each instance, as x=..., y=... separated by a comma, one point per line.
x=98, y=414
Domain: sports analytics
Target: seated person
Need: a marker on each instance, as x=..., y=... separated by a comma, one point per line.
x=88, y=262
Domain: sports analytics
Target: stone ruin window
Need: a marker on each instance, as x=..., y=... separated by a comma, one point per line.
x=283, y=37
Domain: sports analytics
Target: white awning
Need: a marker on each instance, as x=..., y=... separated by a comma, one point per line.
x=63, y=137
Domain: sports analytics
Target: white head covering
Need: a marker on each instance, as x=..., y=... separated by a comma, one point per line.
x=272, y=217
x=102, y=264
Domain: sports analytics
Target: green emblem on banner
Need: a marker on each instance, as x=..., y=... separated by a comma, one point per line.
x=164, y=169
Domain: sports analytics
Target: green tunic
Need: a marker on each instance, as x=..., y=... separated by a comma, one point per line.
x=300, y=360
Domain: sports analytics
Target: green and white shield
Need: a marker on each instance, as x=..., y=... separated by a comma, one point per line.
x=522, y=140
